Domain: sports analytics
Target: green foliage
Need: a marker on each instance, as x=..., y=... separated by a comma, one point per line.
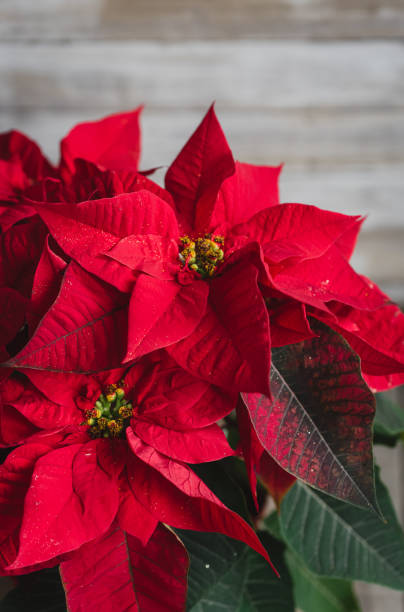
x=389, y=420
x=228, y=576
x=337, y=539
x=318, y=594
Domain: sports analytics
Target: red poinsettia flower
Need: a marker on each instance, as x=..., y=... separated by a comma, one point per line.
x=108, y=451
x=215, y=261
x=22, y=164
x=25, y=173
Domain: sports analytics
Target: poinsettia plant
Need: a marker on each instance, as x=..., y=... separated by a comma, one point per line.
x=187, y=385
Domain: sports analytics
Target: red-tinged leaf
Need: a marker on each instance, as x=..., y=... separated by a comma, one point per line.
x=195, y=176
x=176, y=496
x=71, y=501
x=34, y=406
x=193, y=446
x=220, y=349
x=154, y=255
x=87, y=231
x=46, y=284
x=116, y=572
x=83, y=331
x=276, y=479
x=242, y=195
x=112, y=142
x=327, y=278
x=295, y=230
x=318, y=424
x=162, y=312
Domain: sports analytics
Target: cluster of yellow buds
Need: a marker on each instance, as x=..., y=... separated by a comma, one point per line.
x=202, y=255
x=111, y=414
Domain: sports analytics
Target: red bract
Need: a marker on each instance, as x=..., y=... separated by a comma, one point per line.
x=215, y=261
x=111, y=143
x=111, y=447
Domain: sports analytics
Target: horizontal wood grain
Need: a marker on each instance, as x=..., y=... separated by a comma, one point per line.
x=243, y=74
x=197, y=19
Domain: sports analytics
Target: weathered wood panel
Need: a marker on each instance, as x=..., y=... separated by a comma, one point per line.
x=243, y=74
x=194, y=19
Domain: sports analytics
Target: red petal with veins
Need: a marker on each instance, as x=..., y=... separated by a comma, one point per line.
x=87, y=231
x=154, y=255
x=195, y=176
x=220, y=349
x=47, y=279
x=70, y=502
x=176, y=496
x=327, y=278
x=83, y=331
x=112, y=142
x=15, y=478
x=295, y=230
x=193, y=446
x=242, y=195
x=116, y=572
x=162, y=313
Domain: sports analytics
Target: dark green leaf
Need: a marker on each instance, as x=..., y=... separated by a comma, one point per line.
x=272, y=525
x=37, y=592
x=226, y=479
x=228, y=576
x=389, y=420
x=337, y=539
x=318, y=594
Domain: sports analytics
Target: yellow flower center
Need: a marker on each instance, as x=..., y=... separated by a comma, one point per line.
x=202, y=255
x=111, y=414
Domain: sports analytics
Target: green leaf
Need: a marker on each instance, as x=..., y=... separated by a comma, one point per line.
x=337, y=539
x=272, y=525
x=389, y=420
x=37, y=592
x=226, y=479
x=228, y=576
x=315, y=594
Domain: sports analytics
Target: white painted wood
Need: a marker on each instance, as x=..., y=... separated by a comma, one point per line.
x=243, y=74
x=194, y=19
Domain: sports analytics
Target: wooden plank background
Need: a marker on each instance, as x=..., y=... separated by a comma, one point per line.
x=317, y=84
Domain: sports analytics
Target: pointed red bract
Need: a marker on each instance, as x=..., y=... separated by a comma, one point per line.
x=162, y=313
x=81, y=332
x=181, y=499
x=116, y=572
x=112, y=142
x=195, y=176
x=71, y=503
